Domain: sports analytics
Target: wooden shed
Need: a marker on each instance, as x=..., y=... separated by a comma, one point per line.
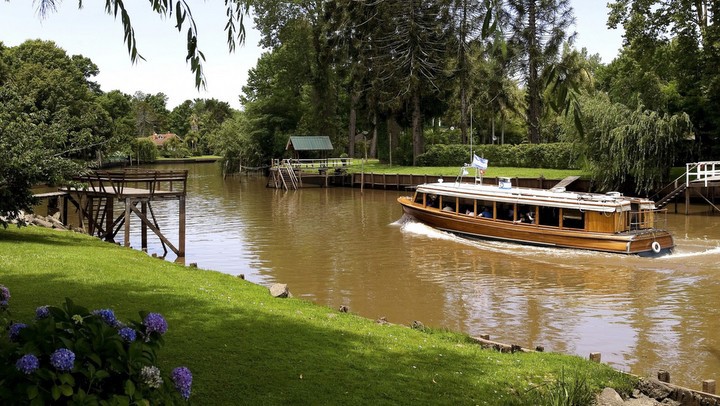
x=309, y=145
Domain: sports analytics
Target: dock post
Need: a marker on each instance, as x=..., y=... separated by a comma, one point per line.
x=181, y=222
x=708, y=386
x=663, y=376
x=143, y=226
x=127, y=222
x=109, y=207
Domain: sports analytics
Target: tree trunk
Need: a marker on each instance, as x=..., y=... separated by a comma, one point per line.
x=533, y=96
x=393, y=134
x=352, y=126
x=373, y=144
x=417, y=134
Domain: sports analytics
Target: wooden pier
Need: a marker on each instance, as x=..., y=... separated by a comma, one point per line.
x=97, y=192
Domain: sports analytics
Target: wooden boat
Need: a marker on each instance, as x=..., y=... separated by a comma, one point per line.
x=548, y=217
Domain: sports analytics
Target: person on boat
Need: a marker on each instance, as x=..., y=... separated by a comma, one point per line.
x=529, y=218
x=486, y=213
x=448, y=208
x=522, y=219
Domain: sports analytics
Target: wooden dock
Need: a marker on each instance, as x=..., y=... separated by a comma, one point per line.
x=97, y=192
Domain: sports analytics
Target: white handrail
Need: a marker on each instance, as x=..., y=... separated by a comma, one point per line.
x=702, y=171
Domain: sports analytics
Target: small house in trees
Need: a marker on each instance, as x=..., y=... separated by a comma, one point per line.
x=160, y=139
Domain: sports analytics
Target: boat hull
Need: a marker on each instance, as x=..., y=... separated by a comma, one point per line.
x=651, y=242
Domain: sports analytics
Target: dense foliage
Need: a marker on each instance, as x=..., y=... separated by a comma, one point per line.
x=555, y=155
x=69, y=355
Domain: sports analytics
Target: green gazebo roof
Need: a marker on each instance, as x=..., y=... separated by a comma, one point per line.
x=309, y=143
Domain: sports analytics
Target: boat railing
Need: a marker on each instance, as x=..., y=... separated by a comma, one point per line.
x=648, y=219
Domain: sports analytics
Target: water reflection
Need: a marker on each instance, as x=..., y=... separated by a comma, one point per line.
x=343, y=246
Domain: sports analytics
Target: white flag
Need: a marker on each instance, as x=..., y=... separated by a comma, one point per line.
x=478, y=162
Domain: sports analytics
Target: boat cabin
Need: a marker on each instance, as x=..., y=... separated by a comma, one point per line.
x=605, y=213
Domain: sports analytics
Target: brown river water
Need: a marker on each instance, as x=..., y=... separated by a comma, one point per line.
x=343, y=246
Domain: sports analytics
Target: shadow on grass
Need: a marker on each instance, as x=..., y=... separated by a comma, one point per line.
x=260, y=352
x=28, y=235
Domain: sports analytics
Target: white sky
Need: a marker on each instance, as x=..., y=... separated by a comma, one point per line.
x=98, y=36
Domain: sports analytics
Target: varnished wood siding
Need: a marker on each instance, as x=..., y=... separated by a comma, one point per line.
x=604, y=222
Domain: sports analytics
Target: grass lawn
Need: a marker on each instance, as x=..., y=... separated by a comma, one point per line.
x=245, y=347
x=375, y=167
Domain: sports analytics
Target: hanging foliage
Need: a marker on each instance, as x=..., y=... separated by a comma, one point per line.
x=626, y=147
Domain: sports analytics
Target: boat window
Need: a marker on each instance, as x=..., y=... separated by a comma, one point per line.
x=505, y=211
x=467, y=206
x=527, y=214
x=485, y=208
x=573, y=218
x=448, y=203
x=419, y=198
x=549, y=216
x=432, y=201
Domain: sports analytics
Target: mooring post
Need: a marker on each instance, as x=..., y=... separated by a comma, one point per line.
x=595, y=356
x=663, y=376
x=708, y=386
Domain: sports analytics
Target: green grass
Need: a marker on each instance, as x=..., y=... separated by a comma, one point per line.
x=245, y=347
x=375, y=167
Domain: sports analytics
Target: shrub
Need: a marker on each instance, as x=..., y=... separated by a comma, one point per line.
x=69, y=355
x=144, y=150
x=555, y=155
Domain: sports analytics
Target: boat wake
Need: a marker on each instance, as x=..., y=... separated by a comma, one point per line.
x=410, y=226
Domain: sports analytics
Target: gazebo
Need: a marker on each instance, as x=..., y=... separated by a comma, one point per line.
x=309, y=143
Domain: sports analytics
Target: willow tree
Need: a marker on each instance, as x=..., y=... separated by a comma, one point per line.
x=630, y=147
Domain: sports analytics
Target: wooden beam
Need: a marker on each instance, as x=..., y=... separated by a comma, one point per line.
x=151, y=226
x=181, y=225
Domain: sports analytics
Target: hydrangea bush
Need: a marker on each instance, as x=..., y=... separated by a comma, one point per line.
x=69, y=355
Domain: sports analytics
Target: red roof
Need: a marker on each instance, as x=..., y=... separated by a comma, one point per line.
x=160, y=139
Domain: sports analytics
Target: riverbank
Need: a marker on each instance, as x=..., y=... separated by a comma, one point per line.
x=245, y=346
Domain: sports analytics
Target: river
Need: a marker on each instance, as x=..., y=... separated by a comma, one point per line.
x=343, y=246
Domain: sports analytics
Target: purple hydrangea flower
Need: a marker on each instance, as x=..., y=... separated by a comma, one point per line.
x=182, y=378
x=107, y=315
x=42, y=312
x=27, y=364
x=127, y=334
x=4, y=296
x=14, y=332
x=63, y=359
x=155, y=322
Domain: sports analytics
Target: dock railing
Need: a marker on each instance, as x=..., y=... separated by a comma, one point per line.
x=312, y=164
x=707, y=171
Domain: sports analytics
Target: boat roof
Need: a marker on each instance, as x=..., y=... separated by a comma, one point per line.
x=557, y=197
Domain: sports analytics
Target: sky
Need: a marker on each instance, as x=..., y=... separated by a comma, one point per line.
x=96, y=35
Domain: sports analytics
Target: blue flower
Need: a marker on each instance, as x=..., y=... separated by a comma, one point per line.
x=63, y=359
x=4, y=296
x=42, y=312
x=182, y=378
x=14, y=332
x=155, y=322
x=107, y=315
x=27, y=364
x=127, y=334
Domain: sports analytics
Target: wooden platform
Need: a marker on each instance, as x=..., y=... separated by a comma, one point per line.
x=95, y=203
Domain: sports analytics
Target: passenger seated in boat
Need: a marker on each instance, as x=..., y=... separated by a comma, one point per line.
x=530, y=218
x=522, y=219
x=448, y=208
x=469, y=212
x=486, y=213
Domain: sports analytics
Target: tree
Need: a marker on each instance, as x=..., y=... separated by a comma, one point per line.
x=235, y=11
x=538, y=30
x=627, y=147
x=674, y=43
x=412, y=51
x=151, y=115
x=49, y=118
